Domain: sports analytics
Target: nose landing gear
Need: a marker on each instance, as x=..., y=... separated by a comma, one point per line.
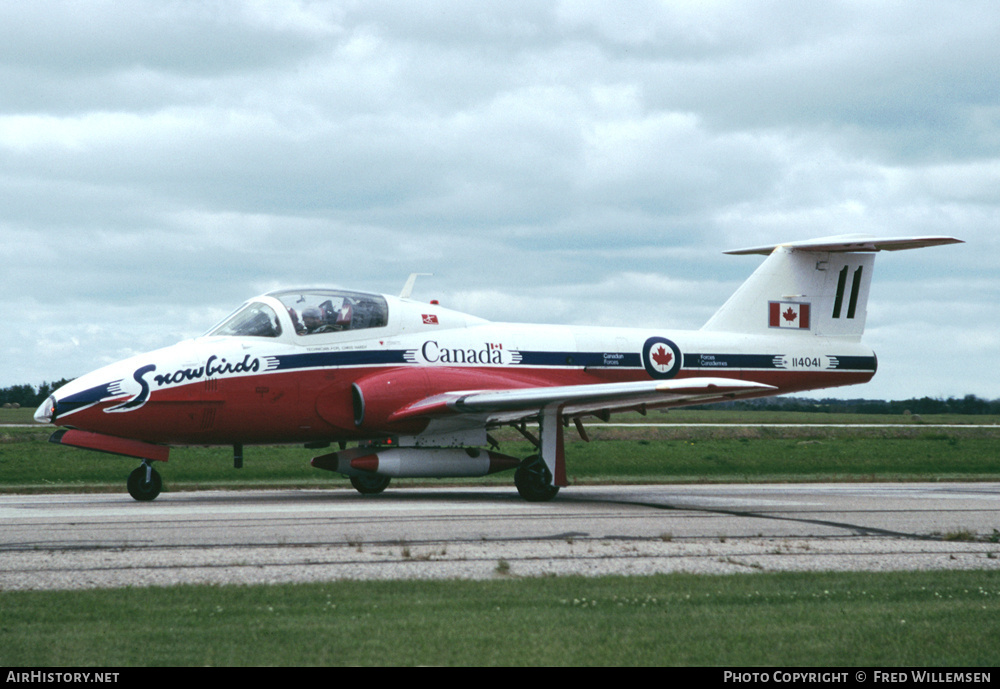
x=144, y=484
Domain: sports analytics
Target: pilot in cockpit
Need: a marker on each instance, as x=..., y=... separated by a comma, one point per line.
x=312, y=319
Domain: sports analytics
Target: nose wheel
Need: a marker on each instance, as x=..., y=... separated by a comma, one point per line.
x=144, y=484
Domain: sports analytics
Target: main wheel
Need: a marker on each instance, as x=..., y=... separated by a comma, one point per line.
x=141, y=489
x=370, y=484
x=534, y=480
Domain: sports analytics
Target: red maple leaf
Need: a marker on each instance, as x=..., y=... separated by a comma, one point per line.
x=662, y=356
x=789, y=315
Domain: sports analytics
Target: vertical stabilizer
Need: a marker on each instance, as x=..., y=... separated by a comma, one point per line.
x=817, y=287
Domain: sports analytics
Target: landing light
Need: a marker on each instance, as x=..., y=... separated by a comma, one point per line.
x=46, y=412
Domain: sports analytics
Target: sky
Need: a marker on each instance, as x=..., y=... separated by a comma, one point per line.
x=574, y=162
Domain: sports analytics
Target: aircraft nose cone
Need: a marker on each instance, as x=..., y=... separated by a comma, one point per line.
x=46, y=412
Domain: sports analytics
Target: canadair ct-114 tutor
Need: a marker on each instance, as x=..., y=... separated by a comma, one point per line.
x=419, y=387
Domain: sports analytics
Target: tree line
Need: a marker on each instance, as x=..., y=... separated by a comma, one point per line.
x=28, y=395
x=970, y=404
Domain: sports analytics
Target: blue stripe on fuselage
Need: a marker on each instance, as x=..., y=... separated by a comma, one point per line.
x=692, y=361
x=88, y=397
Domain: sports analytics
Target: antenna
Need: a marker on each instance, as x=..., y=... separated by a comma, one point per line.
x=408, y=287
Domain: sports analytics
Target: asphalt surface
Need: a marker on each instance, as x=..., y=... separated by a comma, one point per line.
x=241, y=537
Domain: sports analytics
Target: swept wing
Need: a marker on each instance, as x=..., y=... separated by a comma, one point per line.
x=508, y=404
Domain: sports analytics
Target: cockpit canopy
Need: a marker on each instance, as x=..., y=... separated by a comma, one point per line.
x=311, y=312
x=325, y=311
x=255, y=319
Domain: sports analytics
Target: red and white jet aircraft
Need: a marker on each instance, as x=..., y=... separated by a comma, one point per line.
x=420, y=387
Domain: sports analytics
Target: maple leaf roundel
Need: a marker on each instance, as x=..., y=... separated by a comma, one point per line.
x=661, y=357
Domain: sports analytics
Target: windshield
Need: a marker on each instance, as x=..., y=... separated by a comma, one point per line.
x=254, y=320
x=326, y=311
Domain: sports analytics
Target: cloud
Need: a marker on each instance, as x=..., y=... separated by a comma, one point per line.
x=161, y=162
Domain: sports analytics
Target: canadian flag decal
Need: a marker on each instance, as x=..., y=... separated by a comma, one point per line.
x=788, y=314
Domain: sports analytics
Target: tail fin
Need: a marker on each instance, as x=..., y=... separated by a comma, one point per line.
x=817, y=286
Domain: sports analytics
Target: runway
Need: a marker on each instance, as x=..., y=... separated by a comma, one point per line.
x=240, y=537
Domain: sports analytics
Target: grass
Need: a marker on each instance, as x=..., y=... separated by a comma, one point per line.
x=758, y=416
x=905, y=451
x=773, y=619
x=781, y=458
x=787, y=619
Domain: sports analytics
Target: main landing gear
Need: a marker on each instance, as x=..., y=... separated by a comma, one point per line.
x=538, y=477
x=534, y=480
x=144, y=484
x=370, y=484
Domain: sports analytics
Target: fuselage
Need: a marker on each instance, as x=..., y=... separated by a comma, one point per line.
x=262, y=376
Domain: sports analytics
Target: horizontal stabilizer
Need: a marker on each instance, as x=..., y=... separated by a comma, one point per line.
x=812, y=287
x=851, y=242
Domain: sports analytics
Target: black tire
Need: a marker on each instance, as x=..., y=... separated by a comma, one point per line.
x=534, y=480
x=141, y=489
x=370, y=484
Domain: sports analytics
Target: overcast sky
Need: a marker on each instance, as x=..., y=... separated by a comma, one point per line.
x=565, y=162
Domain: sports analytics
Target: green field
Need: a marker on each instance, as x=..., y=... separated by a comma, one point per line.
x=905, y=451
x=788, y=619
x=783, y=619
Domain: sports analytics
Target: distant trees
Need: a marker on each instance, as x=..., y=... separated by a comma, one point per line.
x=27, y=395
x=970, y=404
